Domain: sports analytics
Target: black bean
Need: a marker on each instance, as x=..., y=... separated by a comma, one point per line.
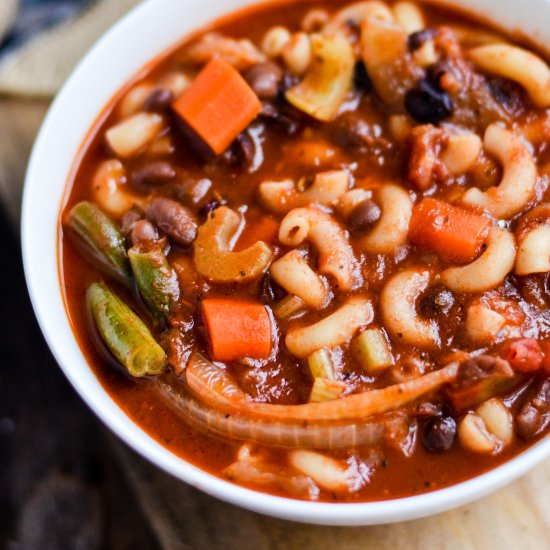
x=439, y=434
x=364, y=216
x=281, y=117
x=159, y=100
x=419, y=38
x=428, y=104
x=173, y=219
x=437, y=300
x=361, y=77
x=209, y=207
x=241, y=152
x=534, y=416
x=265, y=79
x=153, y=173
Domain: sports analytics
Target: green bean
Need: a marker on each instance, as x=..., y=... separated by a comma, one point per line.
x=124, y=333
x=101, y=239
x=156, y=280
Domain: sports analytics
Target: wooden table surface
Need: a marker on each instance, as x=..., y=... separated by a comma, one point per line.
x=63, y=486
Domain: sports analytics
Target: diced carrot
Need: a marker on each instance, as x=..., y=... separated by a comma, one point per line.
x=218, y=105
x=454, y=234
x=237, y=328
x=263, y=229
x=524, y=355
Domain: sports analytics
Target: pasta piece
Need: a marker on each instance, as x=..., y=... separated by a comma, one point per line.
x=327, y=472
x=349, y=200
x=483, y=324
x=214, y=258
x=409, y=16
x=294, y=274
x=335, y=330
x=398, y=308
x=327, y=188
x=461, y=153
x=518, y=64
x=297, y=53
x=517, y=186
x=336, y=256
x=356, y=14
x=534, y=252
x=489, y=270
x=390, y=232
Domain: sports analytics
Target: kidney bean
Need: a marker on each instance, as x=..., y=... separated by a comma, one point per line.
x=128, y=221
x=173, y=219
x=364, y=216
x=153, y=173
x=439, y=434
x=144, y=231
x=159, y=100
x=265, y=79
x=534, y=416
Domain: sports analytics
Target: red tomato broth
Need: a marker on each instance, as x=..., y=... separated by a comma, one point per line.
x=285, y=380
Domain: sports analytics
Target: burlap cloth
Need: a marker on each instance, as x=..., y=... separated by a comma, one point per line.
x=182, y=517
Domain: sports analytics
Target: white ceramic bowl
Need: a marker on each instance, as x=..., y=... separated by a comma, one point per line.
x=142, y=35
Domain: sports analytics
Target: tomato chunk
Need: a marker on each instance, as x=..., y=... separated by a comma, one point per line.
x=524, y=355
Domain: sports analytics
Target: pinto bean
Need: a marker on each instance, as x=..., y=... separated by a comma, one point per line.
x=159, y=100
x=128, y=221
x=143, y=231
x=534, y=416
x=364, y=216
x=153, y=173
x=265, y=79
x=173, y=219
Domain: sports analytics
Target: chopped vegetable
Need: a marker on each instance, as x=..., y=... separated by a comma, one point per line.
x=213, y=257
x=218, y=105
x=101, y=238
x=237, y=329
x=156, y=280
x=453, y=233
x=124, y=333
x=479, y=379
x=130, y=136
x=325, y=389
x=321, y=365
x=372, y=351
x=524, y=355
x=289, y=306
x=328, y=81
x=265, y=229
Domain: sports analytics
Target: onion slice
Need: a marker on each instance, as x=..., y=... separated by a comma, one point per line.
x=360, y=406
x=279, y=433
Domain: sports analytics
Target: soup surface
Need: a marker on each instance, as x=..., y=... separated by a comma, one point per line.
x=308, y=249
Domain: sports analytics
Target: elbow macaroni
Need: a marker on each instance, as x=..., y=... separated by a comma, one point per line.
x=294, y=274
x=326, y=189
x=336, y=256
x=392, y=228
x=398, y=307
x=517, y=186
x=534, y=252
x=335, y=330
x=518, y=64
x=489, y=270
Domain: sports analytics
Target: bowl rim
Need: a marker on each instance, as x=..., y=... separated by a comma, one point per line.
x=63, y=345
